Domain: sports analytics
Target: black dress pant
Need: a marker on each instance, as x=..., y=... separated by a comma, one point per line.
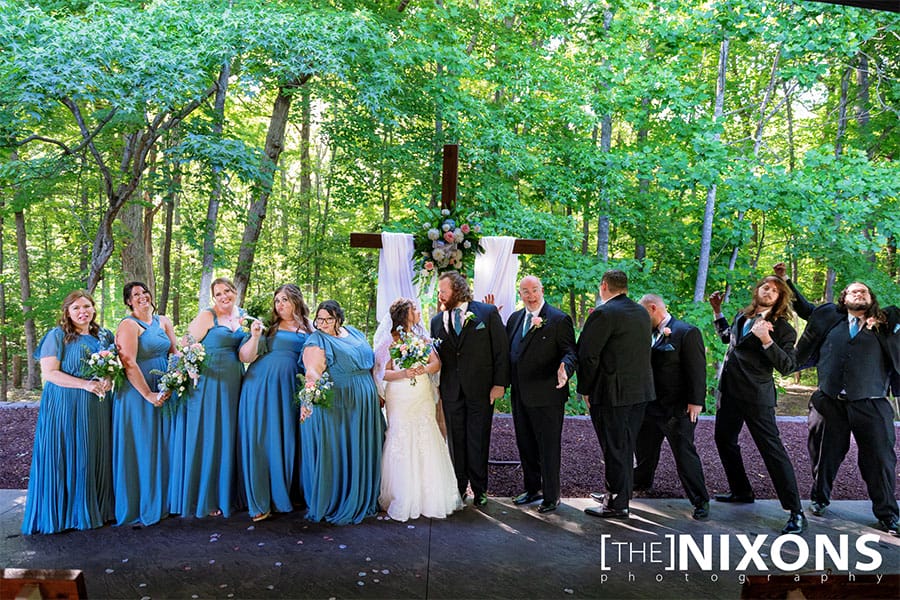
x=763, y=429
x=539, y=438
x=871, y=421
x=468, y=423
x=659, y=423
x=617, y=428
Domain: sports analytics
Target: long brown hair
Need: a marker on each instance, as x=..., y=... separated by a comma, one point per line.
x=873, y=312
x=459, y=285
x=70, y=333
x=301, y=311
x=399, y=312
x=782, y=307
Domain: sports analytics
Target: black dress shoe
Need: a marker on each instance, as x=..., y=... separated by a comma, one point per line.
x=546, y=507
x=735, y=498
x=892, y=525
x=599, y=497
x=607, y=513
x=701, y=511
x=817, y=508
x=796, y=523
x=527, y=498
x=480, y=499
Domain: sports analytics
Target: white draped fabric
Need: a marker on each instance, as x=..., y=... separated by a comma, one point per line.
x=496, y=271
x=395, y=271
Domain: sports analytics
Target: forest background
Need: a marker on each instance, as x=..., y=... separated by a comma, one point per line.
x=692, y=144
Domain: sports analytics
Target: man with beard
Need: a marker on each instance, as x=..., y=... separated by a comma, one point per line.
x=759, y=340
x=471, y=342
x=857, y=346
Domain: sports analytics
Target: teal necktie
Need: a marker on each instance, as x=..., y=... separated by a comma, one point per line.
x=854, y=327
x=457, y=320
x=748, y=325
x=526, y=324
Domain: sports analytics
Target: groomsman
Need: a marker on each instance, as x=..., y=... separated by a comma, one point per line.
x=615, y=379
x=678, y=359
x=542, y=357
x=857, y=345
x=759, y=340
x=474, y=352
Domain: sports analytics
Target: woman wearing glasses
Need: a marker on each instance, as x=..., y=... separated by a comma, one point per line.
x=341, y=443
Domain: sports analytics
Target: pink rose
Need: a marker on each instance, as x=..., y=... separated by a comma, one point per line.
x=429, y=266
x=448, y=237
x=537, y=322
x=105, y=353
x=666, y=331
x=465, y=228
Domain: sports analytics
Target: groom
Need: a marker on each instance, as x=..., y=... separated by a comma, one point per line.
x=471, y=342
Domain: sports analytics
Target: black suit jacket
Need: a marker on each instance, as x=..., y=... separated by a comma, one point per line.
x=747, y=371
x=535, y=358
x=477, y=359
x=679, y=367
x=614, y=354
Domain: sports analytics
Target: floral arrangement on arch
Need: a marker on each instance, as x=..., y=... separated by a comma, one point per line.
x=445, y=240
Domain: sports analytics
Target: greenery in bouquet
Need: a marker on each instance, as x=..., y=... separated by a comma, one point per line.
x=104, y=364
x=315, y=393
x=410, y=350
x=182, y=373
x=445, y=240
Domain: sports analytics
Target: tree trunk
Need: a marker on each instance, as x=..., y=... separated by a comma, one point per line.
x=830, y=275
x=165, y=257
x=31, y=380
x=212, y=209
x=257, y=213
x=305, y=164
x=710, y=208
x=4, y=350
x=176, y=272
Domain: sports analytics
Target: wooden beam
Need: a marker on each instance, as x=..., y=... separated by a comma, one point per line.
x=373, y=240
x=449, y=175
x=891, y=5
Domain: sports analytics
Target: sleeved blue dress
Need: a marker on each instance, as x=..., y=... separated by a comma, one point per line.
x=140, y=437
x=267, y=424
x=70, y=485
x=341, y=444
x=210, y=427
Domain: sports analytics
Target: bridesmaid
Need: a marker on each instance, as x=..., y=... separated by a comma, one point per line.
x=341, y=444
x=210, y=419
x=267, y=414
x=70, y=486
x=140, y=429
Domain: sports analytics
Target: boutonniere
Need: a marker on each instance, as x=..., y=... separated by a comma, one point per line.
x=666, y=332
x=537, y=322
x=469, y=316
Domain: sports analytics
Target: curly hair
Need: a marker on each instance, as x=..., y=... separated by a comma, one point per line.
x=782, y=308
x=70, y=333
x=873, y=312
x=300, y=310
x=399, y=312
x=458, y=285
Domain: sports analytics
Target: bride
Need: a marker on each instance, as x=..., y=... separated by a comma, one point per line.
x=417, y=476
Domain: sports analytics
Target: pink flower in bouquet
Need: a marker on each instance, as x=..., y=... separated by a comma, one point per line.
x=429, y=266
x=448, y=237
x=465, y=228
x=105, y=353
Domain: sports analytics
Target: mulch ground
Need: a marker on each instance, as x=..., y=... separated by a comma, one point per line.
x=582, y=464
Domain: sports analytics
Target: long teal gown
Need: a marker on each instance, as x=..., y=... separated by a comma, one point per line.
x=341, y=444
x=70, y=485
x=209, y=481
x=268, y=424
x=140, y=437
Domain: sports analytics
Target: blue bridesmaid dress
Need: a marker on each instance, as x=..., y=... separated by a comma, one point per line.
x=209, y=481
x=70, y=485
x=140, y=437
x=268, y=424
x=341, y=444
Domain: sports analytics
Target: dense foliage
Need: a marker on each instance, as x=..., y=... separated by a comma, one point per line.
x=593, y=125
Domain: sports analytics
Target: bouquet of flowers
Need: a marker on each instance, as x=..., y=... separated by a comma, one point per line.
x=315, y=393
x=410, y=350
x=104, y=364
x=444, y=240
x=183, y=371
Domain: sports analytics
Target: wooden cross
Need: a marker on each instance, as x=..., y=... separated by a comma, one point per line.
x=449, y=175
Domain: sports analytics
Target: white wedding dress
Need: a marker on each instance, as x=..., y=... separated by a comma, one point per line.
x=417, y=476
